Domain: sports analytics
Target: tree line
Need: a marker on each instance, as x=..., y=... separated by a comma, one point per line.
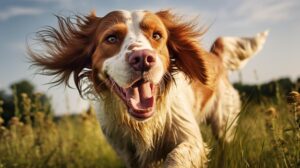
x=23, y=100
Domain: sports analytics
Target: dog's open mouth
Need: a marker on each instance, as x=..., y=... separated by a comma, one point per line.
x=139, y=98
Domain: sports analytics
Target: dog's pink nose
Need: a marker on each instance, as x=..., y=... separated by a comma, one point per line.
x=142, y=60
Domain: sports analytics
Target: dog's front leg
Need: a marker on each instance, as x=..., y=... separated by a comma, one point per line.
x=182, y=132
x=189, y=154
x=189, y=150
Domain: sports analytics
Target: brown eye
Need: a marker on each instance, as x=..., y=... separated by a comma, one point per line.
x=112, y=39
x=156, y=36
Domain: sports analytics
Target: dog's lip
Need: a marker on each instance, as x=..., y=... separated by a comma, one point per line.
x=139, y=97
x=141, y=114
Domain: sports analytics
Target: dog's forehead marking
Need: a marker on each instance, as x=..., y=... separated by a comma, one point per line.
x=134, y=16
x=135, y=35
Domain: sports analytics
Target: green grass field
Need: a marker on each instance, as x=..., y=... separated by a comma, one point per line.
x=267, y=136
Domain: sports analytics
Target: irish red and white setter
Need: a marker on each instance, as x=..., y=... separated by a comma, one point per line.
x=154, y=80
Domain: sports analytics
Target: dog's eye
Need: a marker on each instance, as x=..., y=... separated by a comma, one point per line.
x=112, y=39
x=156, y=36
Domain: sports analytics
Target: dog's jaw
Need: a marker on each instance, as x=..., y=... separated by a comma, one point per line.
x=139, y=98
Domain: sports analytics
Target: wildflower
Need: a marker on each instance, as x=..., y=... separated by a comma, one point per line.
x=1, y=108
x=39, y=118
x=26, y=103
x=271, y=116
x=40, y=115
x=293, y=97
x=1, y=121
x=14, y=121
x=2, y=129
x=271, y=112
x=24, y=96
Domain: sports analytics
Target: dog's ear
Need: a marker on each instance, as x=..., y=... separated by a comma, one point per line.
x=66, y=50
x=184, y=46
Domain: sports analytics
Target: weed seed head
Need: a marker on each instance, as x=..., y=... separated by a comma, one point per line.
x=293, y=97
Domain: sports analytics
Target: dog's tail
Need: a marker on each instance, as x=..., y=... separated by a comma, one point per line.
x=235, y=52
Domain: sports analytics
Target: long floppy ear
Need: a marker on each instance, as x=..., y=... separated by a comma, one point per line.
x=184, y=47
x=66, y=50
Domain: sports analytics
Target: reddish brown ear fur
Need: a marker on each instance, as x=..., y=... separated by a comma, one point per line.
x=184, y=46
x=68, y=49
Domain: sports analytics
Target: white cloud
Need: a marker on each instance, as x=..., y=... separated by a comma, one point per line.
x=271, y=10
x=242, y=13
x=18, y=11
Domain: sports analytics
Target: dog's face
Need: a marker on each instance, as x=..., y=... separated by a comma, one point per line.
x=130, y=52
x=132, y=57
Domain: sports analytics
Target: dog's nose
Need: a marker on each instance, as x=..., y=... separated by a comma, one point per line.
x=142, y=60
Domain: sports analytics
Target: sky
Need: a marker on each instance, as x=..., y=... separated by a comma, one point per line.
x=20, y=19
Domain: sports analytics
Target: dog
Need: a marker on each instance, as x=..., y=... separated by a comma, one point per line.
x=154, y=80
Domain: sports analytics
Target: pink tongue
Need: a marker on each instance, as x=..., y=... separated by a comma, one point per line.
x=140, y=97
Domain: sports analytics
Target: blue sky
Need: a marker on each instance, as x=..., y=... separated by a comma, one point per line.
x=19, y=19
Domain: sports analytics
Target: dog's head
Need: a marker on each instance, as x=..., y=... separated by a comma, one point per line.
x=129, y=53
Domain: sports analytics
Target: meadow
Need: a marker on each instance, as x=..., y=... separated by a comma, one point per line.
x=268, y=135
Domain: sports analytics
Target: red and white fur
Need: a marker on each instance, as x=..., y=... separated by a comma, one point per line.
x=154, y=81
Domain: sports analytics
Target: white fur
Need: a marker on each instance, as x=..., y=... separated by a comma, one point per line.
x=222, y=110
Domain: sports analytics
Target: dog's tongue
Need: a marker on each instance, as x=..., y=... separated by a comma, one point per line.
x=140, y=96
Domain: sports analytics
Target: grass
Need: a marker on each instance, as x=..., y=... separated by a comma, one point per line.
x=268, y=135
x=70, y=142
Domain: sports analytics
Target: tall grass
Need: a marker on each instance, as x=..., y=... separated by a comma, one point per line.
x=41, y=143
x=267, y=135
